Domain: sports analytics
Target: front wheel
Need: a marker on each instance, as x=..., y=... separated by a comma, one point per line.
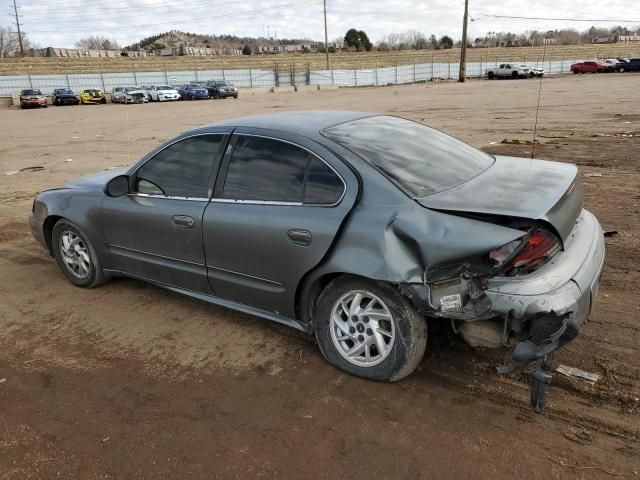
x=75, y=255
x=368, y=329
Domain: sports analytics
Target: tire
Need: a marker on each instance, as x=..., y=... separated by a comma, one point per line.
x=85, y=274
x=235, y=96
x=515, y=75
x=621, y=69
x=575, y=72
x=490, y=75
x=404, y=338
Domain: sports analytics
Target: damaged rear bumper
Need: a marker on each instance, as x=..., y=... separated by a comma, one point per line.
x=546, y=309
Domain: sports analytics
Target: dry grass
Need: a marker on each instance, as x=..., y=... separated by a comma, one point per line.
x=45, y=65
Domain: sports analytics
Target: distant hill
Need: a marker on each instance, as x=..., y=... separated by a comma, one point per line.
x=175, y=38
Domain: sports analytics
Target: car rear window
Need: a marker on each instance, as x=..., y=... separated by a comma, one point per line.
x=418, y=159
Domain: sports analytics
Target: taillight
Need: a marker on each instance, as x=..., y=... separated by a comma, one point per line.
x=525, y=256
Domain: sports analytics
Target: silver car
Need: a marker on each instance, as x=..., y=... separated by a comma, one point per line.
x=363, y=230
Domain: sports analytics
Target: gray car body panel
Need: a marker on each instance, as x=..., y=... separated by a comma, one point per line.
x=245, y=261
x=506, y=188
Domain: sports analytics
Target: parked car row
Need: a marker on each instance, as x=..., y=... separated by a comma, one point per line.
x=34, y=98
x=607, y=65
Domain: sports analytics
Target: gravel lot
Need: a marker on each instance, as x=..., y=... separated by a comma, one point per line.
x=129, y=381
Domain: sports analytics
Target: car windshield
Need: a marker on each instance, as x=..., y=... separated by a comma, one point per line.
x=223, y=84
x=164, y=87
x=63, y=90
x=194, y=85
x=131, y=89
x=418, y=159
x=31, y=92
x=92, y=91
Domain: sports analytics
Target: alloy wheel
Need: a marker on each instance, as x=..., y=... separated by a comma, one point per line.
x=75, y=254
x=362, y=328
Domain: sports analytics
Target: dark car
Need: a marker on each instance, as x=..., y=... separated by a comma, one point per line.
x=32, y=98
x=631, y=65
x=360, y=229
x=64, y=96
x=221, y=89
x=192, y=91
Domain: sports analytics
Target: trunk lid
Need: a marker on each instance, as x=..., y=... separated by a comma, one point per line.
x=518, y=187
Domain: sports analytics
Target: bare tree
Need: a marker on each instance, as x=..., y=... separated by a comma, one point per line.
x=10, y=44
x=97, y=42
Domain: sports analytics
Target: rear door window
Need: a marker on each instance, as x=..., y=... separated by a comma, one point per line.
x=266, y=170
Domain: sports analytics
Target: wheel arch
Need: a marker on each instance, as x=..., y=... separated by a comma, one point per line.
x=47, y=230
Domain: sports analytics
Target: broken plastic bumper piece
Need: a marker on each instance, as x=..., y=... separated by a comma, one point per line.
x=549, y=306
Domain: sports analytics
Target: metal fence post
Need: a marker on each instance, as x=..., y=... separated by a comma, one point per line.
x=104, y=87
x=166, y=77
x=29, y=74
x=223, y=75
x=377, y=80
x=396, y=73
x=433, y=60
x=195, y=70
x=308, y=74
x=135, y=75
x=562, y=65
x=66, y=74
x=481, y=68
x=250, y=75
x=292, y=74
x=333, y=78
x=449, y=62
x=276, y=75
x=355, y=75
x=414, y=70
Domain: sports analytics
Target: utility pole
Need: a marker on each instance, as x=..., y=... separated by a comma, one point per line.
x=326, y=36
x=463, y=50
x=15, y=11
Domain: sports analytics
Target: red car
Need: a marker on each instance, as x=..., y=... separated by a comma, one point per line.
x=31, y=97
x=592, y=66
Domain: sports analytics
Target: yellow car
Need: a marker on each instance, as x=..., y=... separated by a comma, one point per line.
x=92, y=95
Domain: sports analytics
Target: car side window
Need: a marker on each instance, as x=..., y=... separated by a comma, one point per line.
x=265, y=169
x=323, y=186
x=183, y=169
x=501, y=65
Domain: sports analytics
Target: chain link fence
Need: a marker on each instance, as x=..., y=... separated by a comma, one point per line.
x=276, y=76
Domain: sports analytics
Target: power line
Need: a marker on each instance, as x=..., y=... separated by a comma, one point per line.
x=272, y=8
x=561, y=19
x=157, y=6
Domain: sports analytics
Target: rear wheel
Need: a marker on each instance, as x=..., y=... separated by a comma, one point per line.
x=367, y=329
x=514, y=74
x=75, y=255
x=490, y=75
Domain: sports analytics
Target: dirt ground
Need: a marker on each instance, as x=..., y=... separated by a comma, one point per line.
x=129, y=381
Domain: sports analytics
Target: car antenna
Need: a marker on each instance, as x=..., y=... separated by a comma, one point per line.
x=128, y=138
x=535, y=125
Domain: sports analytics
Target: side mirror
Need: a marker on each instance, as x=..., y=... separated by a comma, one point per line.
x=117, y=186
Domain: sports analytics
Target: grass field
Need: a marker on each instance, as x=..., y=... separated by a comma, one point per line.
x=44, y=65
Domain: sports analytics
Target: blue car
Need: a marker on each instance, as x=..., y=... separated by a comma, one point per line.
x=192, y=91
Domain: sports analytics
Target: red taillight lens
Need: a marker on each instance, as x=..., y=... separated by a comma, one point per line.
x=535, y=250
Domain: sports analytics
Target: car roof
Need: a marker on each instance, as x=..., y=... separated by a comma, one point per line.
x=306, y=123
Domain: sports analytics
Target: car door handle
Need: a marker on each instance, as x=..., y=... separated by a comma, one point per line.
x=299, y=237
x=183, y=221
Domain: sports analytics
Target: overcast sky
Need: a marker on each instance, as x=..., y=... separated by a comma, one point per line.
x=61, y=23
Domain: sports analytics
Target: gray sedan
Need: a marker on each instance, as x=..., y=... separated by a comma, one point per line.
x=361, y=229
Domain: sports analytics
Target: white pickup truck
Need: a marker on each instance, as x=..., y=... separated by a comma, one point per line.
x=508, y=70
